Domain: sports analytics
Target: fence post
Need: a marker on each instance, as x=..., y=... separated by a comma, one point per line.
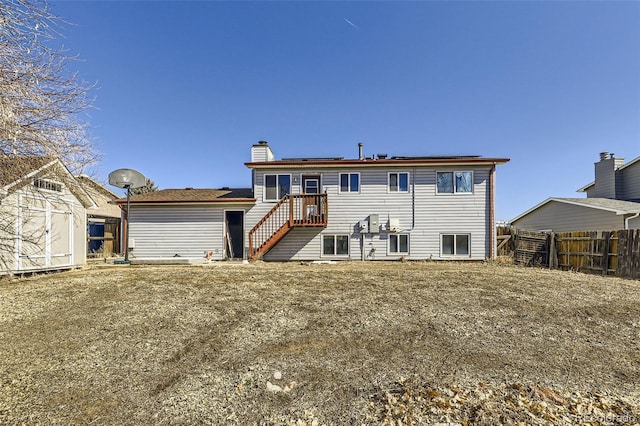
x=552, y=257
x=622, y=253
x=606, y=237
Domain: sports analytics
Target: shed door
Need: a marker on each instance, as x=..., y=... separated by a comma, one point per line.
x=60, y=231
x=32, y=245
x=45, y=230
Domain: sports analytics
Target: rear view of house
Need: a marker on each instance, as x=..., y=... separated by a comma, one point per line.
x=372, y=207
x=365, y=208
x=42, y=216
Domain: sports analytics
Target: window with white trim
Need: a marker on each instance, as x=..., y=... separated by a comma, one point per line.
x=454, y=182
x=48, y=185
x=455, y=245
x=276, y=187
x=335, y=245
x=398, y=182
x=349, y=182
x=398, y=243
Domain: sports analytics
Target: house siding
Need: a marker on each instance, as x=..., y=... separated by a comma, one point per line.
x=630, y=187
x=634, y=223
x=562, y=217
x=185, y=231
x=422, y=214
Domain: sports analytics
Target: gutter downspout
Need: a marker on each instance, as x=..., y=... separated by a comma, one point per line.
x=627, y=219
x=492, y=225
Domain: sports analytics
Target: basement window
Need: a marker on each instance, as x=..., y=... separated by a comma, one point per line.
x=399, y=244
x=335, y=245
x=455, y=245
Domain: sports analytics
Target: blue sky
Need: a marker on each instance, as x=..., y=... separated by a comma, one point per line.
x=185, y=88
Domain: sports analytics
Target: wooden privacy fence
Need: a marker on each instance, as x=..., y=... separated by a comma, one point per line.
x=607, y=253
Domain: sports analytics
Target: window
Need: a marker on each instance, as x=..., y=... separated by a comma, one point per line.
x=455, y=245
x=311, y=186
x=276, y=186
x=48, y=185
x=349, y=182
x=454, y=182
x=398, y=243
x=335, y=245
x=398, y=182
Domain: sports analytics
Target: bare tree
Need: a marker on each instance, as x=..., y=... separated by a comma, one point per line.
x=41, y=101
x=41, y=119
x=150, y=186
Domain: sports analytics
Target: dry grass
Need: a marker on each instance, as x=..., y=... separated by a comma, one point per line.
x=354, y=342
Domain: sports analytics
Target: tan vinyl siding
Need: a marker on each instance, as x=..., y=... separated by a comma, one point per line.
x=434, y=214
x=67, y=236
x=8, y=213
x=563, y=217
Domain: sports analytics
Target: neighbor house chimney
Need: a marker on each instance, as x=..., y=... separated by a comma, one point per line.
x=360, y=154
x=606, y=184
x=261, y=152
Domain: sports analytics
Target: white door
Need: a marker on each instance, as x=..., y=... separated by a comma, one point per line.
x=46, y=233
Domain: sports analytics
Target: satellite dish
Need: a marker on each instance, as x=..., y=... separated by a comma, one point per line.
x=127, y=178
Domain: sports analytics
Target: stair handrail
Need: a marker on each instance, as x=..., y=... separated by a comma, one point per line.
x=260, y=235
x=261, y=222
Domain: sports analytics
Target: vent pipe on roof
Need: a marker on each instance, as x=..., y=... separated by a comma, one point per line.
x=604, y=155
x=360, y=154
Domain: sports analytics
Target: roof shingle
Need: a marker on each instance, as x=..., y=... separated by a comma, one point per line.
x=193, y=195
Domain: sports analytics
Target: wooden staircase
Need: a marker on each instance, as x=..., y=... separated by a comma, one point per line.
x=301, y=210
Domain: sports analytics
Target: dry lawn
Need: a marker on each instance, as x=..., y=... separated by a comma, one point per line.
x=355, y=343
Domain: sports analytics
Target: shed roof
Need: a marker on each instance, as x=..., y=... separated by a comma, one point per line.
x=12, y=169
x=18, y=172
x=193, y=195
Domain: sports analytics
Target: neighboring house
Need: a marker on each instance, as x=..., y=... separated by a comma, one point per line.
x=329, y=208
x=103, y=221
x=42, y=216
x=612, y=203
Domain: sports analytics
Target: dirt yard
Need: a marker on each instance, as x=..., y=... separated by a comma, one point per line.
x=290, y=343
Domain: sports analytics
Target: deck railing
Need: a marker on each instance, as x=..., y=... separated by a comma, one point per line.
x=299, y=210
